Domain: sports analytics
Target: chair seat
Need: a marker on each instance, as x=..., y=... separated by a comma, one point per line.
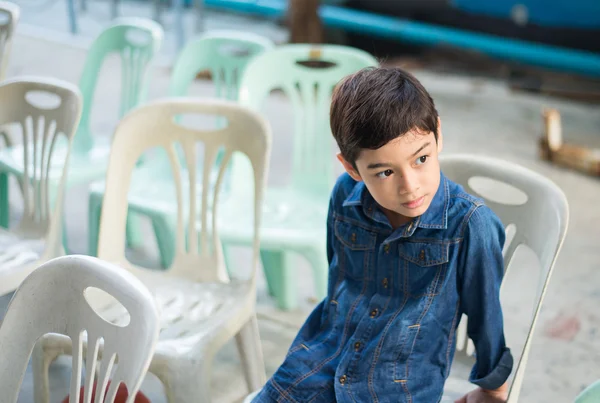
x=189, y=311
x=289, y=217
x=83, y=167
x=251, y=396
x=150, y=192
x=16, y=251
x=19, y=256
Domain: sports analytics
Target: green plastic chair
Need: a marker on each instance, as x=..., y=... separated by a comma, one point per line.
x=294, y=218
x=225, y=54
x=136, y=40
x=591, y=394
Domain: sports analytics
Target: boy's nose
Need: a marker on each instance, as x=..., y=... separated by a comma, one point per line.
x=408, y=185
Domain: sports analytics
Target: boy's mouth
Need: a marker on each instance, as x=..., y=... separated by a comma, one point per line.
x=414, y=203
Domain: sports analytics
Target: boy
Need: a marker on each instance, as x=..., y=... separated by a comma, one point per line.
x=409, y=253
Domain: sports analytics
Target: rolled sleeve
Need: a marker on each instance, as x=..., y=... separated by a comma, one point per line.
x=499, y=374
x=482, y=273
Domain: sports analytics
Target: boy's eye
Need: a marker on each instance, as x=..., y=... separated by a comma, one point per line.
x=421, y=160
x=385, y=173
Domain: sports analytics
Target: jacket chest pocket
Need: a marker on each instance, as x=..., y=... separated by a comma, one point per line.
x=355, y=248
x=424, y=265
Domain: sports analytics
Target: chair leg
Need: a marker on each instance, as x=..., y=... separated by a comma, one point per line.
x=134, y=234
x=228, y=258
x=280, y=279
x=165, y=239
x=4, y=197
x=53, y=193
x=114, y=9
x=318, y=261
x=94, y=212
x=7, y=139
x=271, y=262
x=157, y=11
x=179, y=25
x=42, y=357
x=65, y=236
x=199, y=16
x=187, y=382
x=4, y=201
x=250, y=350
x=72, y=16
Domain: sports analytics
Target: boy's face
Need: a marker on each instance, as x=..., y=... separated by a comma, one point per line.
x=403, y=176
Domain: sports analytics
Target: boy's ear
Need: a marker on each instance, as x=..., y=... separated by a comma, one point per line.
x=349, y=168
x=440, y=137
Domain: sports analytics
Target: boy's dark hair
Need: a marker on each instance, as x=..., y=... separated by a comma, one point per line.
x=376, y=105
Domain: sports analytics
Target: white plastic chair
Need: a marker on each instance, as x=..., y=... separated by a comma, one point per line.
x=9, y=17
x=53, y=300
x=37, y=238
x=225, y=54
x=541, y=224
x=251, y=396
x=136, y=41
x=201, y=308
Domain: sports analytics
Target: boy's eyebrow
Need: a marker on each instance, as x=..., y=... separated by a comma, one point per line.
x=379, y=165
x=420, y=149
x=376, y=165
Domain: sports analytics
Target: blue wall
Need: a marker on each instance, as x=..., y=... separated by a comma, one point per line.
x=552, y=13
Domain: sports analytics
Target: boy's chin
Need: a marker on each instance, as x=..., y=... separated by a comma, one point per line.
x=412, y=213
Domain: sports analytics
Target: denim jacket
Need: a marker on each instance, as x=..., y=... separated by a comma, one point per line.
x=386, y=331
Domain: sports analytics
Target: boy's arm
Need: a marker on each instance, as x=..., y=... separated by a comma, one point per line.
x=482, y=267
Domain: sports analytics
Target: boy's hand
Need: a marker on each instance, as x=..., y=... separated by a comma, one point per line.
x=486, y=396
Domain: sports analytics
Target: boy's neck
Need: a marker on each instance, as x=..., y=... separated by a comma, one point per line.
x=396, y=220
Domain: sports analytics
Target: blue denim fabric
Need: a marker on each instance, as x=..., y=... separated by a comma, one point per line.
x=386, y=331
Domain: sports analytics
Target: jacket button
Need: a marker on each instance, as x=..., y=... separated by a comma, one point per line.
x=422, y=255
x=343, y=379
x=374, y=313
x=353, y=237
x=385, y=282
x=357, y=345
x=386, y=248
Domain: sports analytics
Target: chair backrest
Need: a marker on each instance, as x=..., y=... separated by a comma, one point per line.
x=9, y=17
x=307, y=75
x=224, y=54
x=136, y=40
x=47, y=112
x=52, y=299
x=539, y=222
x=154, y=125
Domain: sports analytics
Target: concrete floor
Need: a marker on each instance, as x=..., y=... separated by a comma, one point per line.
x=480, y=117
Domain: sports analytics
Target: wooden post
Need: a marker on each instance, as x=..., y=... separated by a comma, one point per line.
x=304, y=21
x=554, y=149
